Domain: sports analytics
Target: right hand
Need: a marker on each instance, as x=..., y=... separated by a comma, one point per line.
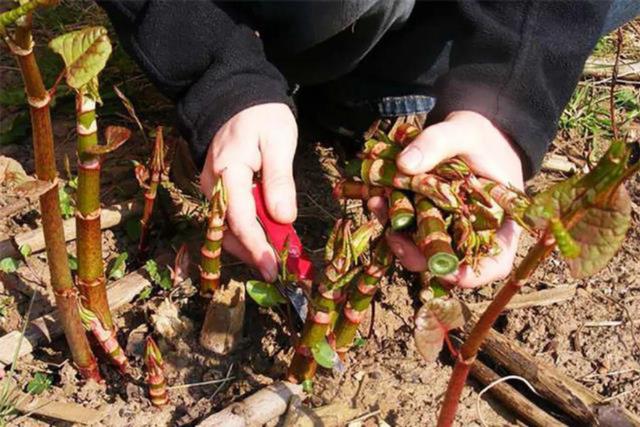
x=259, y=138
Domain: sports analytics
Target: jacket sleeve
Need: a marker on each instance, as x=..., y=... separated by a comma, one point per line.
x=517, y=63
x=201, y=55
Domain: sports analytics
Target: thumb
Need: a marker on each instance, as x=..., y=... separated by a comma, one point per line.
x=435, y=144
x=277, y=178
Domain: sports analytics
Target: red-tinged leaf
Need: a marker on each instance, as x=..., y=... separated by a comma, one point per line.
x=34, y=188
x=551, y=203
x=180, y=270
x=114, y=136
x=434, y=319
x=142, y=175
x=599, y=233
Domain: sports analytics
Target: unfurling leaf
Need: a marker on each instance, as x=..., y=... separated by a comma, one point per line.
x=599, y=234
x=85, y=53
x=11, y=171
x=180, y=270
x=142, y=174
x=264, y=294
x=40, y=383
x=9, y=265
x=119, y=266
x=323, y=354
x=34, y=188
x=435, y=319
x=114, y=137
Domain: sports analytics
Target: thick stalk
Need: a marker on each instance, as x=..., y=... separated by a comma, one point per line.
x=402, y=213
x=212, y=247
x=470, y=348
x=432, y=239
x=360, y=297
x=91, y=279
x=105, y=337
x=384, y=173
x=327, y=299
x=357, y=190
x=61, y=280
x=156, y=169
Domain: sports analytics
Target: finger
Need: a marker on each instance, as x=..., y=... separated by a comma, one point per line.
x=241, y=216
x=435, y=144
x=277, y=177
x=492, y=268
x=379, y=207
x=232, y=245
x=406, y=251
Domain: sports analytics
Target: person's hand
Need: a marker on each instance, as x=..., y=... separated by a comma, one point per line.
x=260, y=138
x=489, y=153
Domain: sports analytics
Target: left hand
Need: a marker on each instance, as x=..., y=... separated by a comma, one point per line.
x=490, y=154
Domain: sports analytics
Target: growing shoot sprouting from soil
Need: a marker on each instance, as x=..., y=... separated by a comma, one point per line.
x=20, y=43
x=85, y=53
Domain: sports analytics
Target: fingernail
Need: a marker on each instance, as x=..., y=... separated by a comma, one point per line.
x=410, y=158
x=269, y=272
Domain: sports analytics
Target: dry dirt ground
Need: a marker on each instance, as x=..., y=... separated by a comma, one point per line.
x=590, y=337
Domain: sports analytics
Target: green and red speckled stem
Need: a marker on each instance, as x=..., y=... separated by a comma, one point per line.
x=106, y=337
x=342, y=249
x=91, y=278
x=384, y=173
x=156, y=169
x=433, y=240
x=212, y=247
x=360, y=297
x=158, y=392
x=61, y=281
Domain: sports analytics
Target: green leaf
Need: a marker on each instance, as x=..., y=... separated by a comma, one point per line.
x=307, y=386
x=599, y=233
x=550, y=203
x=73, y=262
x=119, y=266
x=359, y=342
x=145, y=293
x=25, y=250
x=85, y=53
x=40, y=383
x=264, y=294
x=73, y=183
x=435, y=319
x=160, y=277
x=438, y=290
x=324, y=354
x=66, y=203
x=9, y=265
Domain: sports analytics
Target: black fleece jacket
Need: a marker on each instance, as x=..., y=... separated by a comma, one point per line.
x=515, y=62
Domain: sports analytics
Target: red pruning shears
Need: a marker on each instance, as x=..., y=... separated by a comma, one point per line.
x=298, y=263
